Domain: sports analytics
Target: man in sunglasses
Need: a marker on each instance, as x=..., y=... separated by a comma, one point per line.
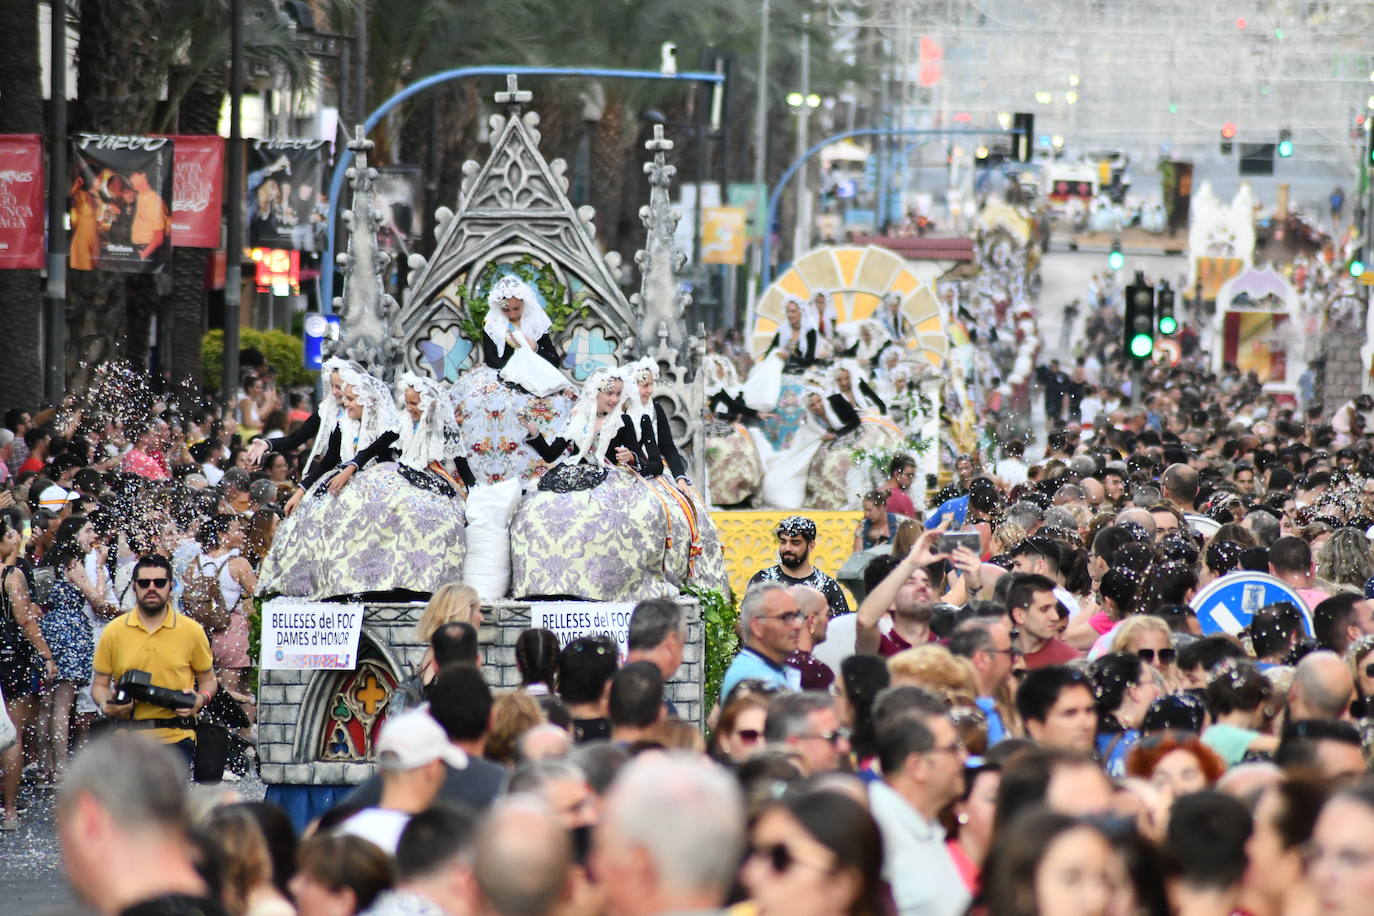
x=173, y=649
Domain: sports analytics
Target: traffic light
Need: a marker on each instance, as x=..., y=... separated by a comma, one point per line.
x=1140, y=319
x=1228, y=133
x=1164, y=307
x=1022, y=143
x=1115, y=259
x=1356, y=266
x=1285, y=148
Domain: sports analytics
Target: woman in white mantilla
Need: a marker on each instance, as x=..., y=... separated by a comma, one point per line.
x=734, y=468
x=375, y=524
x=594, y=528
x=519, y=383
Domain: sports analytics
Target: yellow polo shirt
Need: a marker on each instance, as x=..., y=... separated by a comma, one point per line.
x=173, y=653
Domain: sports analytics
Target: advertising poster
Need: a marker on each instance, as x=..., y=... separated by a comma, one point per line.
x=398, y=198
x=120, y=193
x=197, y=190
x=286, y=194
x=21, y=201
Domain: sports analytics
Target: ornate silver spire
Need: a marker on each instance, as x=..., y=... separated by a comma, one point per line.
x=366, y=310
x=661, y=301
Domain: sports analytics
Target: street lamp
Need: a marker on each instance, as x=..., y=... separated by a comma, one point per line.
x=802, y=104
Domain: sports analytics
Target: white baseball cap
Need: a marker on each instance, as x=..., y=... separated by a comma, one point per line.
x=414, y=739
x=54, y=497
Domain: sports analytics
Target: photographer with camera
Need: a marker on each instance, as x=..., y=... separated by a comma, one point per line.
x=153, y=665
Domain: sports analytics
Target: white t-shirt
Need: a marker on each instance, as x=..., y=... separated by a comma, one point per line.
x=381, y=827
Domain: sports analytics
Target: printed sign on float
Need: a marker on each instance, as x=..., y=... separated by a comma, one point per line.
x=302, y=635
x=570, y=619
x=1229, y=603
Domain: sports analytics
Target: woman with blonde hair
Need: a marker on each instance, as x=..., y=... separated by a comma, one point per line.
x=455, y=602
x=1343, y=562
x=936, y=669
x=1150, y=638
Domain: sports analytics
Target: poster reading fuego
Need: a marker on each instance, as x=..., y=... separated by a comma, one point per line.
x=21, y=201
x=120, y=193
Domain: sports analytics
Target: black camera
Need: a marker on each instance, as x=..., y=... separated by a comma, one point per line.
x=138, y=686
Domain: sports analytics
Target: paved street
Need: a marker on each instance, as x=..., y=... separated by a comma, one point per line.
x=31, y=877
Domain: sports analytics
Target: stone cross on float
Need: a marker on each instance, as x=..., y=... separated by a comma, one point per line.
x=514, y=95
x=659, y=143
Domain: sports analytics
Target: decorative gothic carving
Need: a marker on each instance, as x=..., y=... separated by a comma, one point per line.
x=367, y=311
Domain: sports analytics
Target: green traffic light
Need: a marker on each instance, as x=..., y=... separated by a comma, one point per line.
x=1142, y=345
x=1285, y=148
x=1356, y=268
x=1168, y=324
x=1116, y=260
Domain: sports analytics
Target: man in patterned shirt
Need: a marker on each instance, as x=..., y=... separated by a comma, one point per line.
x=796, y=539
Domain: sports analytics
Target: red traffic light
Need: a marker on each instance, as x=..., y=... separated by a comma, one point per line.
x=1228, y=130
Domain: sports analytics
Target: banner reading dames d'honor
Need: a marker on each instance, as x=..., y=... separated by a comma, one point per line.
x=286, y=204
x=120, y=194
x=21, y=201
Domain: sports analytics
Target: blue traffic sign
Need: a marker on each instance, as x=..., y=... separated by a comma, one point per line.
x=1229, y=603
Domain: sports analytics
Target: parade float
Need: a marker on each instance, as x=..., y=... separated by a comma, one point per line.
x=575, y=562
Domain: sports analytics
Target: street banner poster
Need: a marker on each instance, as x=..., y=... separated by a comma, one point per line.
x=310, y=635
x=286, y=204
x=571, y=619
x=722, y=235
x=120, y=191
x=197, y=190
x=398, y=196
x=21, y=201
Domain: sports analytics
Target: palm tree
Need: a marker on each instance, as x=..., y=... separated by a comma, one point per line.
x=21, y=291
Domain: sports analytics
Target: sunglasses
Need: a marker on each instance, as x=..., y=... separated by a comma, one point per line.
x=1166, y=656
x=749, y=735
x=1369, y=670
x=781, y=859
x=787, y=619
x=152, y=583
x=831, y=737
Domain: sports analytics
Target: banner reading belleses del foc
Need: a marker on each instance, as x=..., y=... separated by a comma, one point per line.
x=197, y=190
x=286, y=204
x=120, y=193
x=21, y=201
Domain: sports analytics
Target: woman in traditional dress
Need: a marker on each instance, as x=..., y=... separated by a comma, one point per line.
x=871, y=345
x=853, y=416
x=797, y=347
x=319, y=427
x=593, y=529
x=495, y=401
x=404, y=513
x=663, y=468
x=734, y=469
x=365, y=430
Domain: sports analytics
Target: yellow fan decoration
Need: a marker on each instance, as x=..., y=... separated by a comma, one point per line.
x=856, y=278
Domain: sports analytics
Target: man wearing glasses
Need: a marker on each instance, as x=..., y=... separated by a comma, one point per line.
x=771, y=622
x=173, y=649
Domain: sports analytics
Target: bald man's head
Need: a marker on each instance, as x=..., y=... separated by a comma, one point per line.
x=1321, y=688
x=1141, y=517
x=522, y=858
